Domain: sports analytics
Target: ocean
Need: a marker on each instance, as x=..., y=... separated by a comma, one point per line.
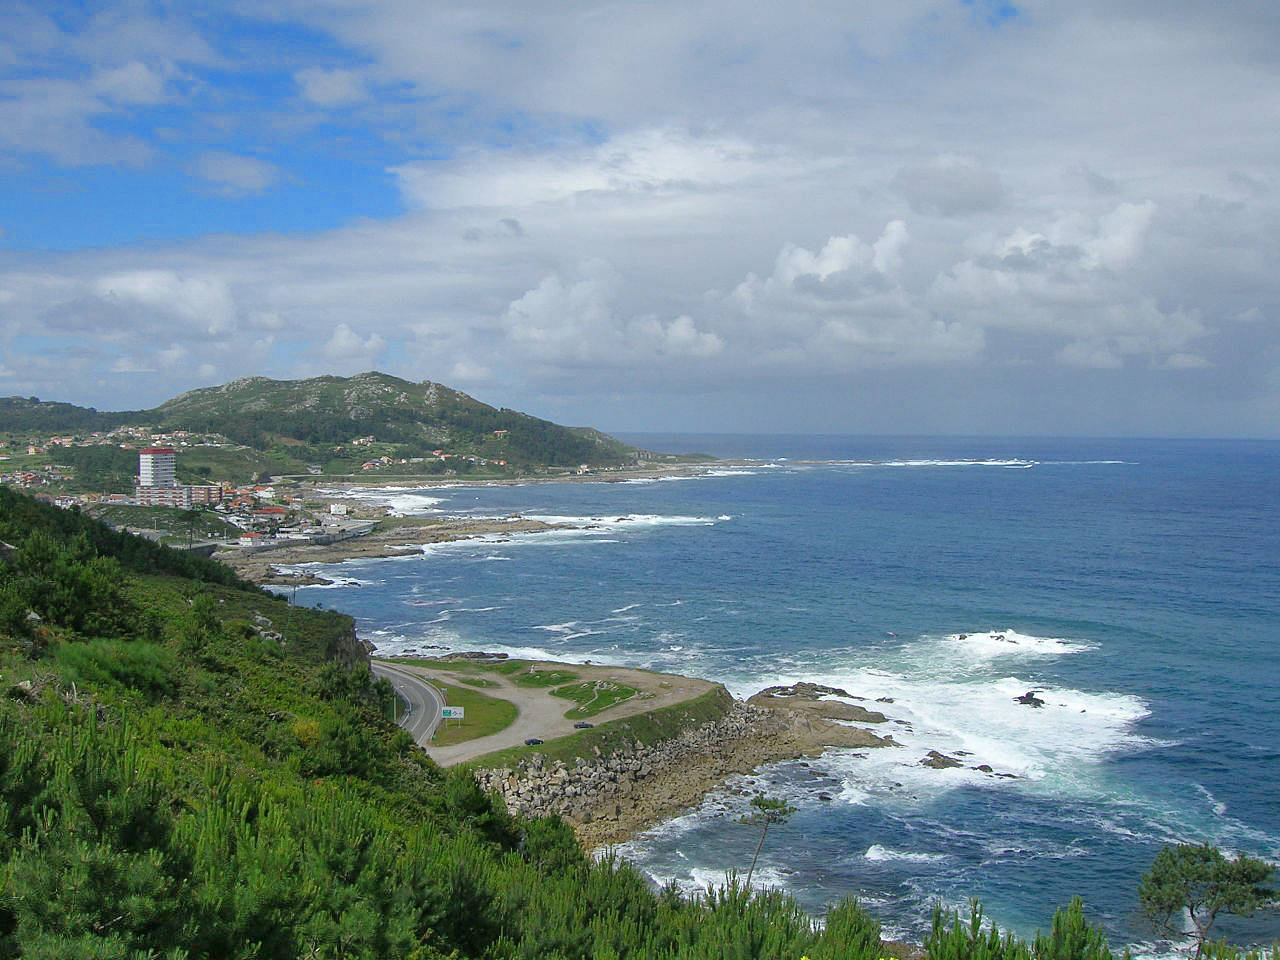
x=1134, y=583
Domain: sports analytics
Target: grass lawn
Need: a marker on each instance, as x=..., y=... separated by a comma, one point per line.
x=614, y=735
x=476, y=682
x=593, y=697
x=484, y=715
x=542, y=678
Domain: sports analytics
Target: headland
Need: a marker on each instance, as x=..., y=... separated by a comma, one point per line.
x=656, y=746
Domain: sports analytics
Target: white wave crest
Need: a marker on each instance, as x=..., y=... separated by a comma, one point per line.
x=880, y=853
x=989, y=644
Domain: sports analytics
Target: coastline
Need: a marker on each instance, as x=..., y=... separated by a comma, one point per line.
x=609, y=799
x=641, y=472
x=405, y=534
x=403, y=537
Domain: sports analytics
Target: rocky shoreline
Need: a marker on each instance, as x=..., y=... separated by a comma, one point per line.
x=608, y=799
x=397, y=540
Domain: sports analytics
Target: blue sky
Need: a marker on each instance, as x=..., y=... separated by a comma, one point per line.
x=955, y=217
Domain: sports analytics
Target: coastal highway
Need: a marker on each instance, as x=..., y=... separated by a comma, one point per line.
x=425, y=701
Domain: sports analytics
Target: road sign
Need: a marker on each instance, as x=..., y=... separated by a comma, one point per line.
x=452, y=713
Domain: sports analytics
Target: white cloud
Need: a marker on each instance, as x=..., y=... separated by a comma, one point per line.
x=199, y=304
x=131, y=365
x=130, y=83
x=575, y=323
x=330, y=88
x=468, y=371
x=1076, y=281
x=350, y=350
x=234, y=174
x=646, y=163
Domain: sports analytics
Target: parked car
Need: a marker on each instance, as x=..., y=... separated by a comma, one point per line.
x=583, y=725
x=532, y=742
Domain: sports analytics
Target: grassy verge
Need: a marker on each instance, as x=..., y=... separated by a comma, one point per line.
x=476, y=682
x=593, y=697
x=484, y=715
x=657, y=725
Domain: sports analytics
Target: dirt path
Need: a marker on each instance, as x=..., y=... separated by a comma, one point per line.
x=542, y=715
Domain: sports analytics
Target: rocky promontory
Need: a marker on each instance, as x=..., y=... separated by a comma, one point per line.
x=607, y=799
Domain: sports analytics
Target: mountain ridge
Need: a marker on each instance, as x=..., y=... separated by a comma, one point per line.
x=417, y=418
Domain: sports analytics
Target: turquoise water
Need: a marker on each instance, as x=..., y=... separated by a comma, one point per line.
x=1135, y=583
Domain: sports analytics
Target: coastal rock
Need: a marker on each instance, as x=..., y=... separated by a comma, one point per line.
x=939, y=761
x=807, y=698
x=1029, y=699
x=804, y=689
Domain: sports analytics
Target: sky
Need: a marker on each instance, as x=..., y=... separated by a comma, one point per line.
x=913, y=217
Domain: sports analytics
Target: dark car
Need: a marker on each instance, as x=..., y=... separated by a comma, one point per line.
x=532, y=742
x=583, y=725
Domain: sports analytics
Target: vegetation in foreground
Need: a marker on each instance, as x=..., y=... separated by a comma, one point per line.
x=192, y=768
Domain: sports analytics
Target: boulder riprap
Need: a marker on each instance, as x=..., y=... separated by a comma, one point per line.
x=609, y=798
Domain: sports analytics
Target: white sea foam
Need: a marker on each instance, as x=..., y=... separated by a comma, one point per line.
x=877, y=852
x=619, y=523
x=1012, y=464
x=990, y=644
x=401, y=501
x=1056, y=747
x=730, y=473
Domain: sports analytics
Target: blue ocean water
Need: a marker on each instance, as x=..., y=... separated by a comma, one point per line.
x=1134, y=583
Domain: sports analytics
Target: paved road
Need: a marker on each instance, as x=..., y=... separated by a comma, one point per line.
x=425, y=701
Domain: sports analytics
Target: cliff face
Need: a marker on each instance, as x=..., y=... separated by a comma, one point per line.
x=349, y=649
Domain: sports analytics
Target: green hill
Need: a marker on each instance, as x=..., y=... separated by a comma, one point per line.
x=317, y=420
x=418, y=416
x=31, y=414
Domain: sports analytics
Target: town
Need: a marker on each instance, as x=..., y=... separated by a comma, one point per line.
x=252, y=516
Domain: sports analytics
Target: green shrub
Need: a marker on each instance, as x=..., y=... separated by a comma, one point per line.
x=137, y=665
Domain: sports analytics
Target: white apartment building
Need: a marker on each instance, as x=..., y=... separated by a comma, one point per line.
x=157, y=466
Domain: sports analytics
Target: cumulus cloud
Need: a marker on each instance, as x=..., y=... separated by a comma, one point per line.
x=574, y=322
x=350, y=351
x=234, y=174
x=1071, y=280
x=845, y=305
